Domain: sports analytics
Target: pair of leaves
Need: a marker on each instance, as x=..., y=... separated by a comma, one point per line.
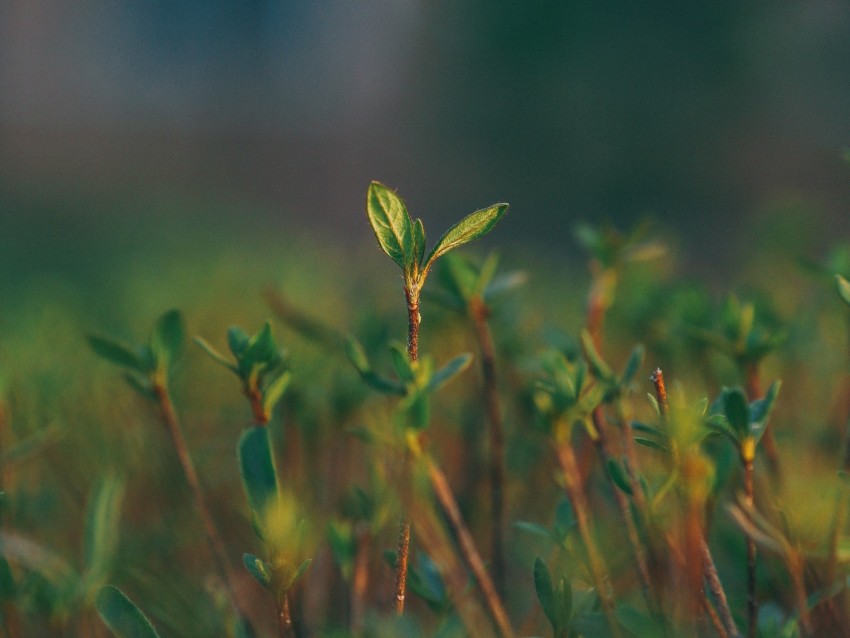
x=416, y=380
x=259, y=364
x=403, y=239
x=147, y=365
x=738, y=420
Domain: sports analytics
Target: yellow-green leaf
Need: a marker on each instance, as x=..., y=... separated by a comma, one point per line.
x=391, y=224
x=466, y=230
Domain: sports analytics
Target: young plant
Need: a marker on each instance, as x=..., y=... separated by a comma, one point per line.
x=747, y=337
x=417, y=380
x=148, y=369
x=403, y=240
x=681, y=432
x=260, y=366
x=745, y=425
x=565, y=397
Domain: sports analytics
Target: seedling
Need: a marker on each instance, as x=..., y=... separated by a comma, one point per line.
x=260, y=366
x=148, y=369
x=403, y=240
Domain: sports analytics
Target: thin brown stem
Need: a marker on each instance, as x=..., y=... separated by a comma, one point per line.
x=480, y=313
x=752, y=603
x=798, y=581
x=660, y=391
x=717, y=591
x=626, y=514
x=216, y=544
x=468, y=550
x=403, y=547
x=284, y=619
x=598, y=571
x=402, y=552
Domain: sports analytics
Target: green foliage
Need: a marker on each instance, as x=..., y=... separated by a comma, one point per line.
x=256, y=465
x=403, y=240
x=259, y=364
x=147, y=366
x=121, y=615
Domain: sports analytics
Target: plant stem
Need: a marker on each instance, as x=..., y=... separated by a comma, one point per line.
x=626, y=514
x=572, y=482
x=470, y=554
x=716, y=588
x=403, y=547
x=217, y=548
x=752, y=604
x=660, y=391
x=480, y=313
x=797, y=578
x=284, y=618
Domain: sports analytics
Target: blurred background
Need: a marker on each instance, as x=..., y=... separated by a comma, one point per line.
x=119, y=119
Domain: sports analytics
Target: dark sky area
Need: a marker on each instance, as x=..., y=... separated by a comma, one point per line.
x=700, y=115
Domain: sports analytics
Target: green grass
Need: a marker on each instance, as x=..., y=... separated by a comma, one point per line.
x=94, y=493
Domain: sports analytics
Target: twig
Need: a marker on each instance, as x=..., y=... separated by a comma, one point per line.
x=480, y=314
x=470, y=554
x=217, y=548
x=716, y=588
x=598, y=571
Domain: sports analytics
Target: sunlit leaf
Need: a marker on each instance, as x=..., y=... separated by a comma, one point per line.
x=391, y=224
x=466, y=230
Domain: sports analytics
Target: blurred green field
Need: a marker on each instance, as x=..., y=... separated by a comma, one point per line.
x=69, y=424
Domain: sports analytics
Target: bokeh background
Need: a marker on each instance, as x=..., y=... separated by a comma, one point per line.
x=119, y=119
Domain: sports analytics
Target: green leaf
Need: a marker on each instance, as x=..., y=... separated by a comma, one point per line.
x=237, y=340
x=256, y=464
x=449, y=371
x=102, y=530
x=8, y=589
x=274, y=390
x=259, y=569
x=401, y=363
x=545, y=592
x=598, y=367
x=121, y=615
x=261, y=349
x=466, y=230
x=418, y=238
x=633, y=364
x=167, y=338
x=843, y=288
x=215, y=354
x=118, y=352
x=535, y=529
x=564, y=597
x=736, y=409
x=618, y=475
x=298, y=573
x=760, y=409
x=357, y=355
x=391, y=224
x=650, y=443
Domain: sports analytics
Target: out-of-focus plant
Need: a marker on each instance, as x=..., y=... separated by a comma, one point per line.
x=403, y=240
x=148, y=368
x=261, y=367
